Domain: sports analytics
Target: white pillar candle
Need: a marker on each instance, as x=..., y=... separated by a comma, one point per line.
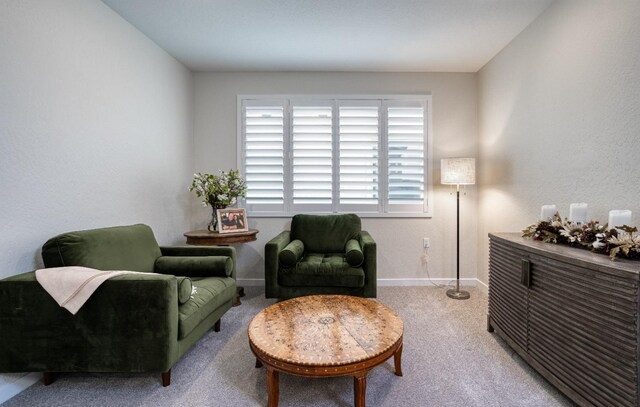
x=578, y=212
x=619, y=218
x=547, y=212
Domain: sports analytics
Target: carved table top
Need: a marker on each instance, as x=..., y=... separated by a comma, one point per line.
x=325, y=330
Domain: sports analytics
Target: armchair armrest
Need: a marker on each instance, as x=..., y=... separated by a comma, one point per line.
x=129, y=324
x=271, y=251
x=291, y=254
x=185, y=251
x=354, y=254
x=369, y=265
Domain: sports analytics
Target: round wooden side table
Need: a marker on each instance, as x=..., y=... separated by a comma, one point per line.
x=207, y=238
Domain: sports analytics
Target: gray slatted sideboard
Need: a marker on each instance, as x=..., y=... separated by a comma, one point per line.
x=573, y=315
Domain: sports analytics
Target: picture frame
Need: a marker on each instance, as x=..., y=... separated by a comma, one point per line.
x=232, y=220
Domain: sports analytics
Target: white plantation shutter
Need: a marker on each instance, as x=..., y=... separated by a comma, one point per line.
x=366, y=155
x=406, y=156
x=264, y=155
x=311, y=157
x=359, y=140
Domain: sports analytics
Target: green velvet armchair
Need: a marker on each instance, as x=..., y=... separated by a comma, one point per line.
x=132, y=323
x=321, y=254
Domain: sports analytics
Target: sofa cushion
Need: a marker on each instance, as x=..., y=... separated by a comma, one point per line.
x=325, y=233
x=290, y=255
x=195, y=266
x=210, y=293
x=185, y=286
x=322, y=270
x=132, y=248
x=354, y=254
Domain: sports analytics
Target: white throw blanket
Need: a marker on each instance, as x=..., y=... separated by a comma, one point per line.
x=72, y=286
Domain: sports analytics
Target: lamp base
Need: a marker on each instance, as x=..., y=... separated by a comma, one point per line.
x=458, y=294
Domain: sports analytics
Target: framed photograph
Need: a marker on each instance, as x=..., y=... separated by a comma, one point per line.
x=232, y=220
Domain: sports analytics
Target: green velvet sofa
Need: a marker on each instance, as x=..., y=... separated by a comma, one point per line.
x=321, y=254
x=131, y=323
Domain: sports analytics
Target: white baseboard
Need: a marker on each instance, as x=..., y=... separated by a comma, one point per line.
x=483, y=287
x=9, y=390
x=387, y=282
x=407, y=282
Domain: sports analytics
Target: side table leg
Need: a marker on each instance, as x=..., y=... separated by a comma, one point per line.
x=273, y=387
x=397, y=360
x=360, y=390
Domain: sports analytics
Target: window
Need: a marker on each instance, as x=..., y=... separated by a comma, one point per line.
x=363, y=154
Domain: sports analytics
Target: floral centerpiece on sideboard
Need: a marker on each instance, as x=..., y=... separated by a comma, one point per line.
x=614, y=241
x=219, y=191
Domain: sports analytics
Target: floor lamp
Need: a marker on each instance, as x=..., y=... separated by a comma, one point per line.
x=458, y=171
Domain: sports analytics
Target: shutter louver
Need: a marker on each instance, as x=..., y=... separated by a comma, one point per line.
x=264, y=155
x=406, y=140
x=311, y=138
x=359, y=145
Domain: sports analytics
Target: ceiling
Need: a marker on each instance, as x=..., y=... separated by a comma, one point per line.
x=331, y=35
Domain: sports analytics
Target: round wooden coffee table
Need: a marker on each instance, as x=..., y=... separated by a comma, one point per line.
x=324, y=336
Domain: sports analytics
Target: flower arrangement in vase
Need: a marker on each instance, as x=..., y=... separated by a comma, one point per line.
x=219, y=191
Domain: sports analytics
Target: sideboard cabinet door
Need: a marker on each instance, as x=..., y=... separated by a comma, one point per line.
x=582, y=327
x=508, y=297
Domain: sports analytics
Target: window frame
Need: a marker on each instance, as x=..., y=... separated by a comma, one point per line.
x=288, y=100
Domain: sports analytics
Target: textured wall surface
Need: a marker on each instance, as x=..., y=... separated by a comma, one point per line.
x=95, y=128
x=399, y=240
x=559, y=114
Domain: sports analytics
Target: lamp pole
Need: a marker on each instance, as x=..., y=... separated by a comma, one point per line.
x=457, y=294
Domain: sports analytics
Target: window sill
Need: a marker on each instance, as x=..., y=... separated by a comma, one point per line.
x=362, y=215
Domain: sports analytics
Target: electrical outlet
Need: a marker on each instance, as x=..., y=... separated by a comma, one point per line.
x=426, y=243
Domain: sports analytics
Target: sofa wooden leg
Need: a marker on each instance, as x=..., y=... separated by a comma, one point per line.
x=239, y=293
x=47, y=378
x=216, y=326
x=166, y=378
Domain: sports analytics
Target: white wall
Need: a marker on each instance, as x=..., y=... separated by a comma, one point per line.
x=560, y=118
x=399, y=240
x=95, y=129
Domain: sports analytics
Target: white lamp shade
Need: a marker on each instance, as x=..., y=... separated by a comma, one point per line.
x=458, y=171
